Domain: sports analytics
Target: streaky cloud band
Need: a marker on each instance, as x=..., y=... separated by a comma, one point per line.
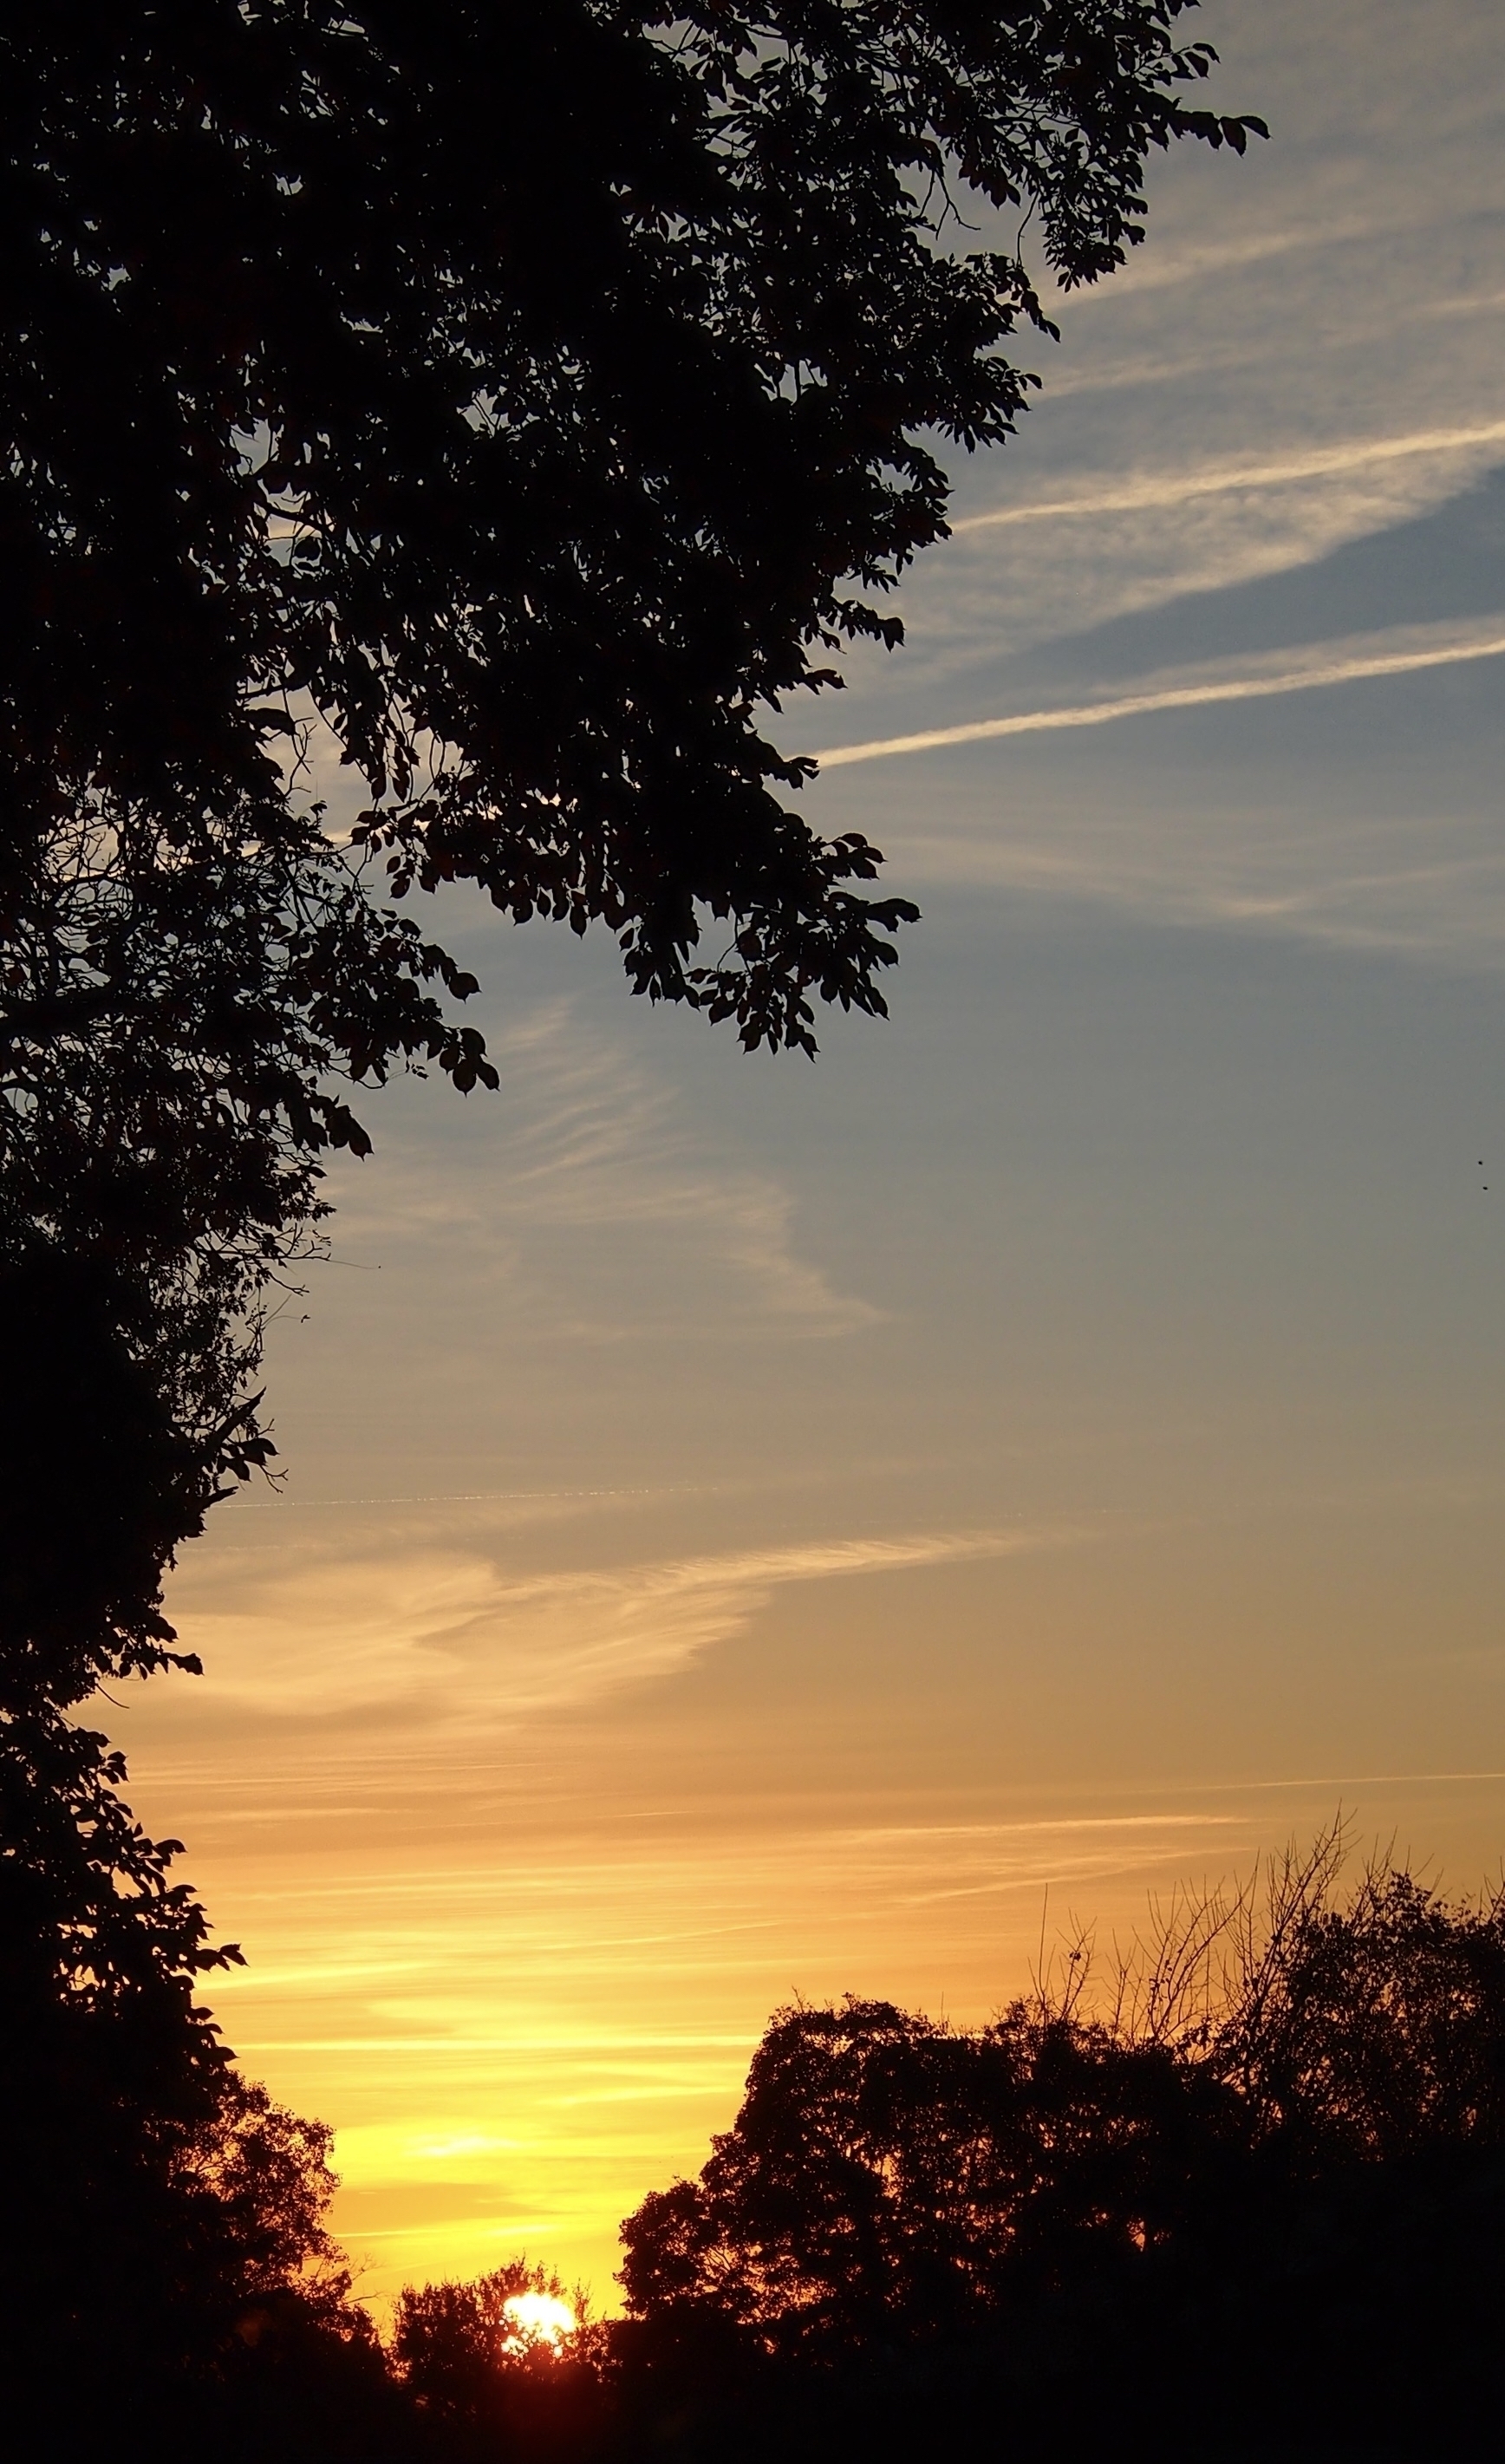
x=1224, y=478
x=1191, y=696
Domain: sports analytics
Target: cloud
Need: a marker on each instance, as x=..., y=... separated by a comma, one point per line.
x=1164, y=267
x=445, y=1636
x=1359, y=851
x=1297, y=357
x=1423, y=886
x=1140, y=490
x=1248, y=351
x=1058, y=565
x=579, y=1192
x=1315, y=666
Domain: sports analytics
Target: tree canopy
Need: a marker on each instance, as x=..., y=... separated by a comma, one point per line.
x=1248, y=2202
x=519, y=401
x=538, y=392
x=889, y=2177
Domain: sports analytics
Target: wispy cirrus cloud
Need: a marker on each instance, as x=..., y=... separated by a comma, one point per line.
x=437, y=1635
x=1314, y=667
x=1142, y=490
x=1061, y=563
x=578, y=1194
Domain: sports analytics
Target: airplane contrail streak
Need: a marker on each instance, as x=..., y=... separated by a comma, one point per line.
x=1098, y=713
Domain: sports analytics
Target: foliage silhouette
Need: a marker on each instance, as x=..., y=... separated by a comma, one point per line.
x=121, y=1421
x=1282, y=2134
x=488, y=2386
x=150, y=2198
x=518, y=402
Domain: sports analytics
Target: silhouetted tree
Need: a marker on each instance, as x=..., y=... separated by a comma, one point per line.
x=1367, y=2029
x=486, y=2383
x=123, y=1412
x=888, y=2178
x=1271, y=2163
x=151, y=2200
x=522, y=400
x=158, y=1149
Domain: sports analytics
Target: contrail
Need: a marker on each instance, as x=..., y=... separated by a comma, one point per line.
x=1228, y=477
x=1096, y=714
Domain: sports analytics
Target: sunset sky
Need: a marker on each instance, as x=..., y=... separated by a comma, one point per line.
x=755, y=1531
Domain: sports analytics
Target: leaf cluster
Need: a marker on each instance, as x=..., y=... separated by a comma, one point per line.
x=522, y=388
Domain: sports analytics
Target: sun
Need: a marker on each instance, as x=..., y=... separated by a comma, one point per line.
x=537, y=2319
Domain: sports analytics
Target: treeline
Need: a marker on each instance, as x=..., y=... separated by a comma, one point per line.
x=1247, y=2200
x=1242, y=2195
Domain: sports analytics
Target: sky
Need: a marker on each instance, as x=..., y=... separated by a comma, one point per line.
x=756, y=1530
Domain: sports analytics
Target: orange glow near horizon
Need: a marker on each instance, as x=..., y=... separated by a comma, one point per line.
x=524, y=1977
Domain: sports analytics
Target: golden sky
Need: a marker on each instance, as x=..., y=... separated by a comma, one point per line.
x=754, y=1531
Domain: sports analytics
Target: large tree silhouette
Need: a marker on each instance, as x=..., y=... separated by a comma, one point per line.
x=520, y=400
